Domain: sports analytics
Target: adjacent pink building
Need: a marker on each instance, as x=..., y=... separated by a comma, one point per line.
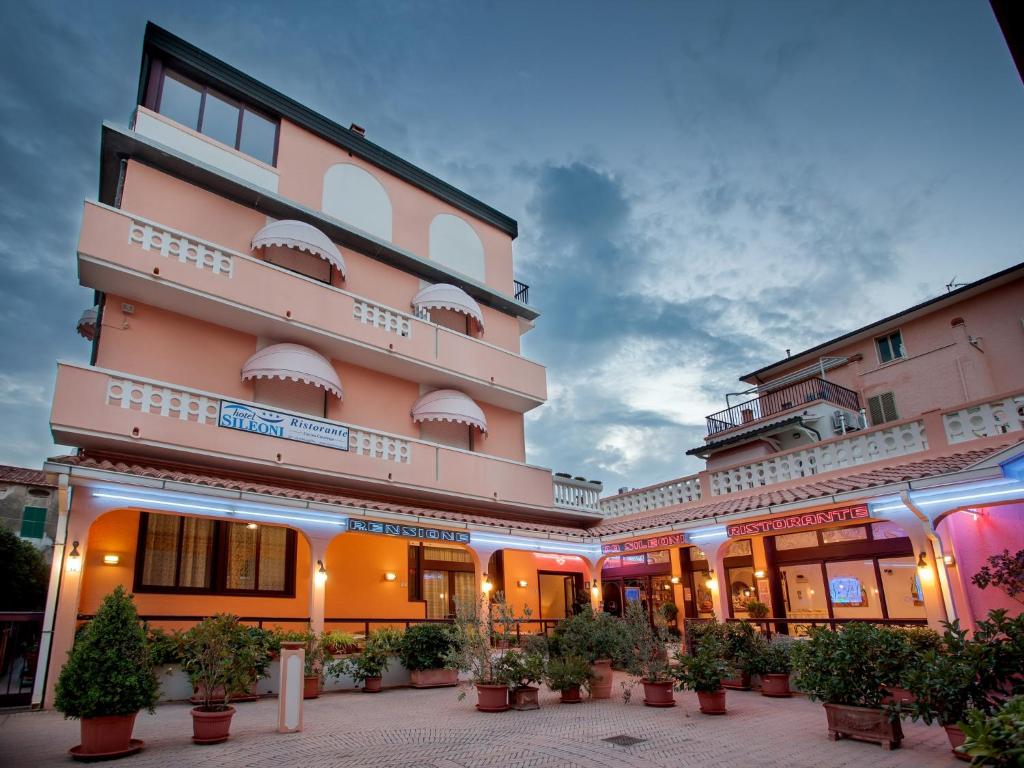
x=306, y=394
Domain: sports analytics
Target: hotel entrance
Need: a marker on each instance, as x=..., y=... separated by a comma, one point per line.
x=642, y=578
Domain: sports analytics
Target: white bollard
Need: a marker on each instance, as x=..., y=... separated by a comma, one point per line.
x=289, y=698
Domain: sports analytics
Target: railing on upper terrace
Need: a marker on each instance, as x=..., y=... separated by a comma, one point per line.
x=576, y=492
x=779, y=400
x=522, y=292
x=666, y=494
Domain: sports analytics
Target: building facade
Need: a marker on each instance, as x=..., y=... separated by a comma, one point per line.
x=305, y=406
x=28, y=507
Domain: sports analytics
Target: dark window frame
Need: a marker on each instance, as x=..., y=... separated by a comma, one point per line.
x=418, y=565
x=154, y=97
x=217, y=562
x=895, y=353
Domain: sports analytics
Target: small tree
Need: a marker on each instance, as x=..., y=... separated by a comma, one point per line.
x=222, y=659
x=1003, y=571
x=109, y=670
x=23, y=573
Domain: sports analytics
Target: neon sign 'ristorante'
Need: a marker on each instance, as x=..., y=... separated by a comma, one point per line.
x=796, y=522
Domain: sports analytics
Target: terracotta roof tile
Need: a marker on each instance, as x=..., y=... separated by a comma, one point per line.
x=822, y=487
x=24, y=476
x=319, y=494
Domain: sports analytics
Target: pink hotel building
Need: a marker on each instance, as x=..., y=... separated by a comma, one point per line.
x=305, y=401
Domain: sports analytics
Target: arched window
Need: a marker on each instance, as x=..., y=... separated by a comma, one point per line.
x=454, y=243
x=357, y=198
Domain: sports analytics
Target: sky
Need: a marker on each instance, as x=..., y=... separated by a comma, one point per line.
x=698, y=186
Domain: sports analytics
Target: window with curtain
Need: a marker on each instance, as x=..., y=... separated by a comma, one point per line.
x=194, y=554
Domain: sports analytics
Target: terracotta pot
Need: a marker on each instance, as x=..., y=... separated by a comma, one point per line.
x=106, y=738
x=712, y=702
x=434, y=678
x=738, y=683
x=372, y=685
x=956, y=738
x=658, y=693
x=311, y=687
x=601, y=686
x=776, y=685
x=863, y=723
x=571, y=695
x=525, y=697
x=491, y=698
x=211, y=727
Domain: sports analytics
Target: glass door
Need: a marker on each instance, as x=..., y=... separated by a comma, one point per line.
x=803, y=594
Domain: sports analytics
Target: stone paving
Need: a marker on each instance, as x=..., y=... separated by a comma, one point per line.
x=409, y=728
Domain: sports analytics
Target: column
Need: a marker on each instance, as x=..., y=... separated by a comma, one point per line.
x=318, y=583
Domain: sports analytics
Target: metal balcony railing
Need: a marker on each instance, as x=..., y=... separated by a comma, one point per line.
x=779, y=400
x=522, y=292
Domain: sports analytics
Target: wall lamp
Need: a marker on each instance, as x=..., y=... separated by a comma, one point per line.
x=949, y=560
x=111, y=559
x=321, y=573
x=710, y=582
x=595, y=592
x=74, y=561
x=522, y=583
x=758, y=574
x=390, y=576
x=486, y=585
x=674, y=579
x=922, y=561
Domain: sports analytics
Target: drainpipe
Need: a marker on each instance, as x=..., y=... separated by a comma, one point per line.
x=53, y=591
x=812, y=430
x=945, y=589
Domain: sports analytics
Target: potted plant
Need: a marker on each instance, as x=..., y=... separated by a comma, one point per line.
x=742, y=645
x=600, y=638
x=221, y=658
x=757, y=609
x=314, y=664
x=846, y=670
x=703, y=673
x=423, y=651
x=914, y=641
x=107, y=679
x=773, y=663
x=487, y=669
x=967, y=674
x=368, y=667
x=647, y=660
x=669, y=613
x=524, y=670
x=567, y=675
x=336, y=643
x=996, y=740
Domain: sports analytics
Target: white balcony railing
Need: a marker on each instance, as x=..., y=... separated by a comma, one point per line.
x=861, y=448
x=576, y=494
x=986, y=420
x=668, y=494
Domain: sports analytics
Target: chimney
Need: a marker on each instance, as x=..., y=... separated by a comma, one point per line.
x=355, y=128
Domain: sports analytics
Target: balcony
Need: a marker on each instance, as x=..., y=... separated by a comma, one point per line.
x=144, y=261
x=577, y=493
x=117, y=412
x=769, y=404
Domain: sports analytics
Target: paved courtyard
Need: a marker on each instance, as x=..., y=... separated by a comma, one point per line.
x=426, y=728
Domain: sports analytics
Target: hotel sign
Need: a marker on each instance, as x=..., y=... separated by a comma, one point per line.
x=798, y=522
x=286, y=426
x=407, y=531
x=642, y=545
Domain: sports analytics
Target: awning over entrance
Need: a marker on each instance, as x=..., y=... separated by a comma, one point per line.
x=302, y=237
x=294, y=362
x=449, y=405
x=445, y=296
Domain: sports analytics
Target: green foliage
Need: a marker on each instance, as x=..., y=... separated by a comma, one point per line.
x=742, y=646
x=757, y=609
x=591, y=636
x=966, y=674
x=697, y=630
x=375, y=659
x=427, y=646
x=669, y=612
x=476, y=622
x=223, y=658
x=704, y=670
x=996, y=740
x=647, y=658
x=521, y=668
x=1003, y=571
x=851, y=666
x=23, y=573
x=338, y=642
x=567, y=672
x=164, y=647
x=775, y=657
x=109, y=670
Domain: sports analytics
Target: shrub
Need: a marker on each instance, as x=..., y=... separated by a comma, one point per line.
x=742, y=646
x=567, y=672
x=996, y=740
x=521, y=668
x=775, y=657
x=704, y=670
x=426, y=646
x=164, y=647
x=1003, y=571
x=338, y=642
x=591, y=636
x=647, y=659
x=851, y=666
x=109, y=670
x=757, y=609
x=375, y=659
x=223, y=658
x=23, y=573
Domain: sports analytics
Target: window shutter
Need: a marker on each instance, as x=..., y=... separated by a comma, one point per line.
x=883, y=408
x=33, y=522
